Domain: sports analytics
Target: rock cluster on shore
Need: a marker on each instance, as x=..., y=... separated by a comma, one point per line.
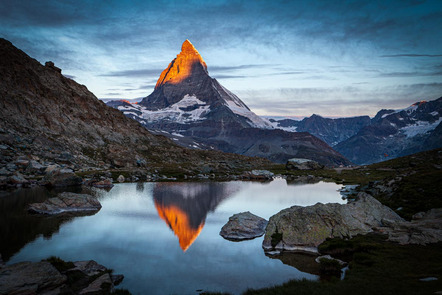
x=54, y=276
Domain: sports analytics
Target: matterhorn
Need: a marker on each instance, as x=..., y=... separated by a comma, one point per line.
x=196, y=111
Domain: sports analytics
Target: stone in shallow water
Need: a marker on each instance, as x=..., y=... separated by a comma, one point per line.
x=66, y=202
x=243, y=226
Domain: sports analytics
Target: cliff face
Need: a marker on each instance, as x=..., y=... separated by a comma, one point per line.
x=51, y=117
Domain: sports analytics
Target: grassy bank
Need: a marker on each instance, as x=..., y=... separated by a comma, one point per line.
x=376, y=267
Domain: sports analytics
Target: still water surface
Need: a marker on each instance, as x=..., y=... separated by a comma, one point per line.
x=164, y=237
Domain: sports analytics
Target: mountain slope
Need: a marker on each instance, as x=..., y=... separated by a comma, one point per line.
x=196, y=111
x=395, y=133
x=49, y=117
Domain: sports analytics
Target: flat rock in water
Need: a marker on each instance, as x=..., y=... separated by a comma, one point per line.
x=30, y=278
x=304, y=228
x=243, y=226
x=66, y=202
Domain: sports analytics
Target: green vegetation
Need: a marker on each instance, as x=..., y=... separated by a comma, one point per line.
x=329, y=267
x=376, y=267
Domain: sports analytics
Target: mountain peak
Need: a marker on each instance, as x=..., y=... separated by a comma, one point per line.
x=188, y=47
x=187, y=63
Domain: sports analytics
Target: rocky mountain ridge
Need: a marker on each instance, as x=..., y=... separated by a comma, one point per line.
x=395, y=133
x=390, y=134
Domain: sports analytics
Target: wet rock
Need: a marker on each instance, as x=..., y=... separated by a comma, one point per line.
x=304, y=228
x=302, y=164
x=30, y=278
x=59, y=177
x=66, y=202
x=243, y=226
x=121, y=178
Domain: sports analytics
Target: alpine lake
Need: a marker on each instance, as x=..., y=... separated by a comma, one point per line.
x=164, y=236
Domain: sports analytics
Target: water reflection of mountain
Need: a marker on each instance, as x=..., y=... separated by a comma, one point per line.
x=184, y=206
x=17, y=227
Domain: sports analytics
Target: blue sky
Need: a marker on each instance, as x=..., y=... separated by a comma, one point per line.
x=289, y=58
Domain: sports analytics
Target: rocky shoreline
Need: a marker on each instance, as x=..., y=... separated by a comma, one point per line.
x=55, y=276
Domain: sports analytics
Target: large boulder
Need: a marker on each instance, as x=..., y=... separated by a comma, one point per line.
x=30, y=278
x=243, y=226
x=66, y=202
x=302, y=164
x=304, y=228
x=424, y=228
x=59, y=177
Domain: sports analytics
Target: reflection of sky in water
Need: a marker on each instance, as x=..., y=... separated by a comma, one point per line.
x=128, y=236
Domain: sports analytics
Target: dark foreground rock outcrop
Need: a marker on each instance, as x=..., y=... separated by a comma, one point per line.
x=304, y=228
x=243, y=226
x=54, y=276
x=66, y=202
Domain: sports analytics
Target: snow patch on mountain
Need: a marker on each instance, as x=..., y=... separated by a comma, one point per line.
x=420, y=127
x=256, y=121
x=276, y=125
x=187, y=110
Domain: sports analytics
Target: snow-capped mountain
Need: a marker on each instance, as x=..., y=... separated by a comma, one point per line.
x=332, y=131
x=394, y=133
x=185, y=93
x=196, y=111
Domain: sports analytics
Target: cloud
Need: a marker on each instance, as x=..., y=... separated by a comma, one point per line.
x=411, y=74
x=133, y=73
x=337, y=101
x=412, y=55
x=239, y=67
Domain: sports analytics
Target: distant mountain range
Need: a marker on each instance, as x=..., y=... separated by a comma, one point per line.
x=390, y=134
x=196, y=111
